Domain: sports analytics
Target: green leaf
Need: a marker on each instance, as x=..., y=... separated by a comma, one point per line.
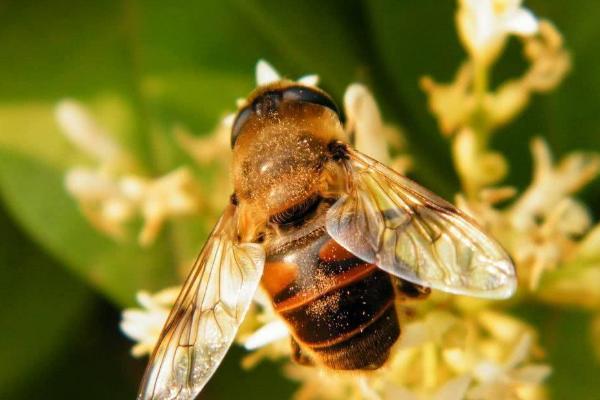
x=410, y=40
x=37, y=296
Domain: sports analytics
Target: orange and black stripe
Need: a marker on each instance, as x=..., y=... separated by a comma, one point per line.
x=338, y=306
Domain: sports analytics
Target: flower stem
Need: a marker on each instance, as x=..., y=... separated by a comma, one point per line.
x=478, y=124
x=479, y=118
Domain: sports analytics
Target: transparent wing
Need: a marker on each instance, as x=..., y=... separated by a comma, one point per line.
x=389, y=220
x=206, y=316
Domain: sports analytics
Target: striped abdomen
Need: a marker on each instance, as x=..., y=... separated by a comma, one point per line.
x=340, y=309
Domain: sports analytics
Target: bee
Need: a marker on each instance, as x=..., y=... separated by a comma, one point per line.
x=335, y=238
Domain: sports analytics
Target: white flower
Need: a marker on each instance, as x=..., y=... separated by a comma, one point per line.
x=100, y=199
x=171, y=195
x=83, y=131
x=552, y=184
x=108, y=196
x=477, y=168
x=484, y=25
x=453, y=389
x=510, y=378
x=497, y=355
x=546, y=220
x=266, y=74
x=266, y=334
x=144, y=325
x=364, y=122
x=90, y=185
x=212, y=149
x=370, y=134
x=214, y=146
x=111, y=201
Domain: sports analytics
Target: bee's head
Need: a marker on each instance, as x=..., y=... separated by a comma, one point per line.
x=279, y=143
x=267, y=101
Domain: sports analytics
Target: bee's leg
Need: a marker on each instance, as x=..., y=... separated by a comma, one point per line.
x=411, y=291
x=300, y=356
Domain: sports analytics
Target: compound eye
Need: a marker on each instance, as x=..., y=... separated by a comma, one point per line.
x=302, y=93
x=239, y=122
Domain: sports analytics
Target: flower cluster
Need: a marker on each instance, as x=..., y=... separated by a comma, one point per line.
x=144, y=326
x=109, y=193
x=547, y=231
x=467, y=109
x=481, y=355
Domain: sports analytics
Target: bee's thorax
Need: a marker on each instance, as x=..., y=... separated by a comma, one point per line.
x=280, y=154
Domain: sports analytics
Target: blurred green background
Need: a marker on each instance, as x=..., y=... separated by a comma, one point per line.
x=143, y=67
